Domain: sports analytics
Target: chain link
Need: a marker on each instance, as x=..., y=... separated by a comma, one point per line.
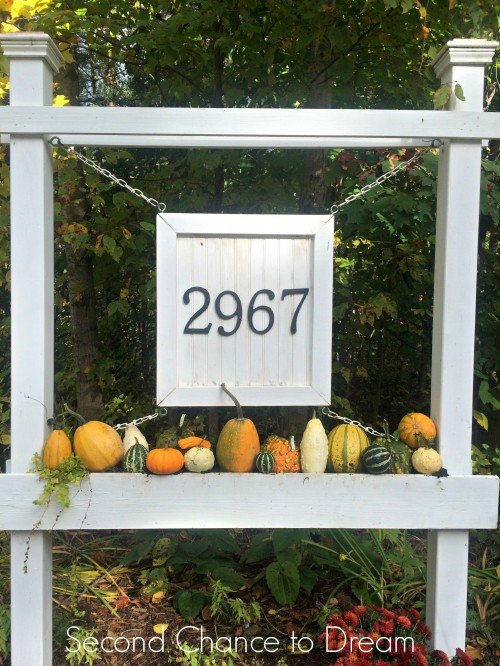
x=56, y=142
x=435, y=143
x=371, y=431
x=160, y=412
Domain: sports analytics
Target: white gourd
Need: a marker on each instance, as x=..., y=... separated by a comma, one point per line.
x=426, y=461
x=133, y=436
x=199, y=459
x=314, y=448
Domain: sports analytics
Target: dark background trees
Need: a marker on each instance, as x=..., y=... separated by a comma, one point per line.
x=251, y=53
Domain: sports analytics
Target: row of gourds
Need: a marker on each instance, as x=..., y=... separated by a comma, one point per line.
x=346, y=449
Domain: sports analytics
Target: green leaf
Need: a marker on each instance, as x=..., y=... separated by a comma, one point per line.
x=481, y=418
x=442, y=95
x=261, y=548
x=229, y=577
x=486, y=396
x=283, y=580
x=459, y=93
x=308, y=578
x=190, y=602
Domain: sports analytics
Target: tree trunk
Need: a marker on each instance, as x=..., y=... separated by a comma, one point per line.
x=82, y=299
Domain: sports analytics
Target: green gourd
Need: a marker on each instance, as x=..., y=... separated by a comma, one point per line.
x=265, y=462
x=376, y=459
x=400, y=455
x=135, y=458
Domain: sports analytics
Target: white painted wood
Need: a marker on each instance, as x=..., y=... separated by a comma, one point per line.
x=245, y=254
x=457, y=225
x=123, y=501
x=446, y=607
x=246, y=126
x=232, y=142
x=32, y=58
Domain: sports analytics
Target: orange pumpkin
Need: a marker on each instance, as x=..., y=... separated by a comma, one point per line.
x=164, y=461
x=286, y=454
x=238, y=445
x=417, y=430
x=56, y=448
x=190, y=442
x=98, y=446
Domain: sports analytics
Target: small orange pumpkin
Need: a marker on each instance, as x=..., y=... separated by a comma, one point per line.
x=416, y=430
x=190, y=442
x=164, y=461
x=57, y=447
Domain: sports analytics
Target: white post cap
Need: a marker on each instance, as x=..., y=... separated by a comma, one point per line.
x=469, y=52
x=31, y=46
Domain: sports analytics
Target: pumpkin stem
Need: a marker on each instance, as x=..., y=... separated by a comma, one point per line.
x=239, y=411
x=292, y=443
x=79, y=418
x=386, y=429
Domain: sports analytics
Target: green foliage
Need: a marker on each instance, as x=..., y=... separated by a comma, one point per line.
x=82, y=655
x=192, y=658
x=4, y=630
x=58, y=482
x=227, y=608
x=380, y=567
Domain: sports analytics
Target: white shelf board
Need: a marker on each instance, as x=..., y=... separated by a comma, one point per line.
x=248, y=127
x=183, y=501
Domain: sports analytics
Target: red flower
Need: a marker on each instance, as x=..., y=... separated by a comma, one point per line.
x=443, y=657
x=423, y=629
x=351, y=619
x=464, y=658
x=359, y=610
x=403, y=621
x=390, y=615
x=414, y=613
x=384, y=627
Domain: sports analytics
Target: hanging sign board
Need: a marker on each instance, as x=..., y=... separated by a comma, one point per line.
x=245, y=300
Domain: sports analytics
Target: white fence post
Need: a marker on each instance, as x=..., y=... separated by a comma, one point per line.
x=33, y=59
x=461, y=61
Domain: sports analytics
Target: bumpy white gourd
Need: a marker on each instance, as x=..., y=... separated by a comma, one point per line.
x=133, y=436
x=199, y=459
x=426, y=461
x=314, y=448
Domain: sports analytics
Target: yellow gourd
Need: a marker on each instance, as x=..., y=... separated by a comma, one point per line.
x=426, y=461
x=238, y=445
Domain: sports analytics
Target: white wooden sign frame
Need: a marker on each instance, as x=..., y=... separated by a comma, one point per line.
x=318, y=229
x=447, y=507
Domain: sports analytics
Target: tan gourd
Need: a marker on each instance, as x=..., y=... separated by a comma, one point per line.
x=133, y=435
x=199, y=459
x=426, y=461
x=314, y=447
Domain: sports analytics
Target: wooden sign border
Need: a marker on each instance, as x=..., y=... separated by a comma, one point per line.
x=169, y=226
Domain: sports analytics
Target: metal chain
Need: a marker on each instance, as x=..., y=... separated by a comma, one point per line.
x=371, y=431
x=161, y=411
x=56, y=141
x=435, y=143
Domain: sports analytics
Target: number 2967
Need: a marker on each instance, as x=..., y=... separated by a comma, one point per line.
x=222, y=310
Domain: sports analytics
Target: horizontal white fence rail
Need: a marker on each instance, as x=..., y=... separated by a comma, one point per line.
x=249, y=127
x=134, y=501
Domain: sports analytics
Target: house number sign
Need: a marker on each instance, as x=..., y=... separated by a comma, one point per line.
x=245, y=300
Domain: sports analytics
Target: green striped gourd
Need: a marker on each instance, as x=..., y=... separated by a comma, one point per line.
x=346, y=443
x=135, y=458
x=264, y=462
x=376, y=459
x=401, y=456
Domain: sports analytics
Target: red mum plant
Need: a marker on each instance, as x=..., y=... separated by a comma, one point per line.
x=373, y=636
